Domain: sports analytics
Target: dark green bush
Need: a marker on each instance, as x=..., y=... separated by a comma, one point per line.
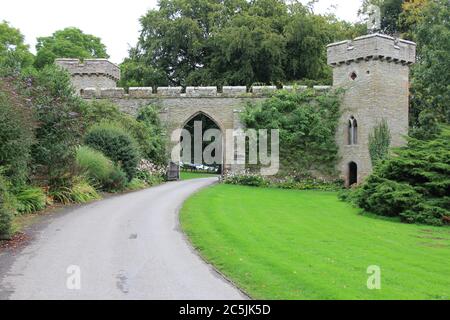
x=60, y=126
x=116, y=144
x=414, y=184
x=16, y=135
x=6, y=210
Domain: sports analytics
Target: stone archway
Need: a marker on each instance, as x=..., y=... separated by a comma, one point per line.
x=206, y=140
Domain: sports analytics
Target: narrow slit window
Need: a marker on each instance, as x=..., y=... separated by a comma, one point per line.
x=352, y=131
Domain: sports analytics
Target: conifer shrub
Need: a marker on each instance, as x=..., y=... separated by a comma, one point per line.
x=413, y=184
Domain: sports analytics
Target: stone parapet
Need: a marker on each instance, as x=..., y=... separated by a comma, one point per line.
x=87, y=67
x=190, y=92
x=374, y=46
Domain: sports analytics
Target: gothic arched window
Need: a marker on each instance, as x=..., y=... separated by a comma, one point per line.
x=352, y=131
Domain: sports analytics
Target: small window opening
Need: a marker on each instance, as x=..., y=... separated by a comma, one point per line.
x=352, y=173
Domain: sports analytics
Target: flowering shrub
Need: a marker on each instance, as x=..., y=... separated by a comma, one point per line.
x=246, y=179
x=150, y=173
x=289, y=182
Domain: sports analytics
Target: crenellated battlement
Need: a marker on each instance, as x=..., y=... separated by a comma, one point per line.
x=190, y=92
x=97, y=79
x=373, y=46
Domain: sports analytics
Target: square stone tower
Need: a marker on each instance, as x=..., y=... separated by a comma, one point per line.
x=91, y=73
x=374, y=71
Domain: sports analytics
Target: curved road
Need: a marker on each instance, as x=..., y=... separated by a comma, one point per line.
x=125, y=247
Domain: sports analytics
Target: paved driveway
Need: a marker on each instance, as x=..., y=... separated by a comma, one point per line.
x=125, y=247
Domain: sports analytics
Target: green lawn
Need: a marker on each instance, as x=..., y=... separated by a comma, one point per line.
x=195, y=175
x=285, y=244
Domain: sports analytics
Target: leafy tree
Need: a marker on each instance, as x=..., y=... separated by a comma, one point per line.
x=134, y=73
x=14, y=53
x=411, y=16
x=68, y=43
x=306, y=37
x=248, y=50
x=235, y=42
x=173, y=38
x=430, y=85
x=390, y=13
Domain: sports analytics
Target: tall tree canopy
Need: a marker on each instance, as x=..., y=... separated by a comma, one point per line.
x=13, y=51
x=431, y=75
x=398, y=17
x=427, y=23
x=68, y=43
x=232, y=42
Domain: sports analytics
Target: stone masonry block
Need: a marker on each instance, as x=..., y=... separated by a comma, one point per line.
x=233, y=91
x=263, y=90
x=112, y=93
x=169, y=91
x=201, y=91
x=140, y=93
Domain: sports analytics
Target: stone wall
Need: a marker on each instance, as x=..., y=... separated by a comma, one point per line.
x=178, y=108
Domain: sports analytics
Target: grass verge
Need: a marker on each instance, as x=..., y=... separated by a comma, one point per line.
x=288, y=244
x=195, y=175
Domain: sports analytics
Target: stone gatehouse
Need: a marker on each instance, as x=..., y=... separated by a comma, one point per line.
x=373, y=69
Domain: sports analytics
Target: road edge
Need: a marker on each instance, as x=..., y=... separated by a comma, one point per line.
x=192, y=247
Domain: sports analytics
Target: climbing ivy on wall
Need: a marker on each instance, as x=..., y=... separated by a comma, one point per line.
x=379, y=142
x=307, y=122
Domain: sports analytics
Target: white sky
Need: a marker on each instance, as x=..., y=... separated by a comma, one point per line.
x=115, y=22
